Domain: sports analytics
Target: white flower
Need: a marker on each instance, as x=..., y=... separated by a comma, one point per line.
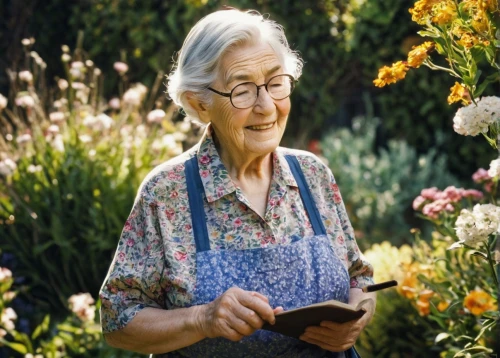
x=25, y=76
x=184, y=126
x=53, y=129
x=474, y=227
x=81, y=305
x=75, y=73
x=105, y=121
x=5, y=274
x=3, y=102
x=56, y=117
x=58, y=143
x=65, y=57
x=155, y=116
x=7, y=318
x=34, y=168
x=25, y=101
x=26, y=42
x=89, y=63
x=23, y=138
x=77, y=64
x=7, y=167
x=114, y=103
x=85, y=138
x=120, y=67
x=472, y=120
x=494, y=170
x=62, y=84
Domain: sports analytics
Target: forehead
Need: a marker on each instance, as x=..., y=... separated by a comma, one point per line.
x=249, y=63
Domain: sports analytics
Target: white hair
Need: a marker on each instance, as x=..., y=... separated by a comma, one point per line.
x=198, y=63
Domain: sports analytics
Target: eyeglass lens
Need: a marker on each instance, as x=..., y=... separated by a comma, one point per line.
x=245, y=94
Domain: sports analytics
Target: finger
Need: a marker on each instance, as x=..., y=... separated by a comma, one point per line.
x=241, y=327
x=249, y=316
x=259, y=306
x=278, y=309
x=335, y=326
x=231, y=333
x=261, y=296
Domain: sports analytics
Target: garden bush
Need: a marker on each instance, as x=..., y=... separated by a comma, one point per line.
x=69, y=175
x=379, y=185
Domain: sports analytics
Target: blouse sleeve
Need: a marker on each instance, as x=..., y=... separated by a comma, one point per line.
x=133, y=281
x=360, y=270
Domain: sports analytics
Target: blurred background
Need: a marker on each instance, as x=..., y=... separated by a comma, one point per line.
x=65, y=199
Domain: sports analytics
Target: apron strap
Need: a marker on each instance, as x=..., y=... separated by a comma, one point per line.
x=196, y=204
x=305, y=194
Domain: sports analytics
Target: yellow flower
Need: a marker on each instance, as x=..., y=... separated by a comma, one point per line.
x=478, y=302
x=459, y=93
x=480, y=22
x=388, y=75
x=468, y=40
x=444, y=12
x=425, y=295
x=421, y=12
x=419, y=53
x=443, y=305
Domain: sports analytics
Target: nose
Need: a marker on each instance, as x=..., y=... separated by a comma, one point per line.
x=264, y=104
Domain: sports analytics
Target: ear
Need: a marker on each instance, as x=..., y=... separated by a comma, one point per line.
x=198, y=106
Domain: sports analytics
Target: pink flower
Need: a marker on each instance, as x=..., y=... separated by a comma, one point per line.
x=120, y=67
x=174, y=194
x=130, y=242
x=429, y=193
x=170, y=214
x=128, y=226
x=337, y=198
x=205, y=173
x=188, y=227
x=335, y=188
x=180, y=256
x=417, y=203
x=121, y=256
x=205, y=159
x=481, y=175
x=56, y=117
x=238, y=222
x=473, y=194
x=453, y=194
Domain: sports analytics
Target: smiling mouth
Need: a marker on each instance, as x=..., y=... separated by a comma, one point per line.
x=261, y=127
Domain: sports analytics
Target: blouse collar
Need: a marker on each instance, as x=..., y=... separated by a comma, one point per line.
x=215, y=177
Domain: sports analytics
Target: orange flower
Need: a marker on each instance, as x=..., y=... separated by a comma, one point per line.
x=419, y=53
x=468, y=40
x=425, y=295
x=459, y=93
x=443, y=305
x=388, y=75
x=423, y=307
x=407, y=287
x=478, y=302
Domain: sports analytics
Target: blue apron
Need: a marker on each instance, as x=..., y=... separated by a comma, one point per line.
x=304, y=272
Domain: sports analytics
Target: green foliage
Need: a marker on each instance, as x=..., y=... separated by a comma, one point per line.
x=75, y=182
x=379, y=186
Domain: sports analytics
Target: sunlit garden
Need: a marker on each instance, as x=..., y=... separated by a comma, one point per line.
x=400, y=98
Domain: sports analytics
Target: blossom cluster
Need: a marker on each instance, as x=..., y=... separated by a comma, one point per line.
x=432, y=201
x=475, y=119
x=82, y=306
x=474, y=227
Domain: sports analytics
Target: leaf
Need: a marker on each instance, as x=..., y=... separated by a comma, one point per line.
x=18, y=347
x=455, y=245
x=441, y=336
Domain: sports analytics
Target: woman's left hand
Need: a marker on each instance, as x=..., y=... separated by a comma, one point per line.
x=339, y=337
x=333, y=336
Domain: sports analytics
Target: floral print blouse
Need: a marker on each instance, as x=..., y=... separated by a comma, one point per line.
x=155, y=261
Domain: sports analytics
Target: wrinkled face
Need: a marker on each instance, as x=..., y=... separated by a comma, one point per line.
x=256, y=130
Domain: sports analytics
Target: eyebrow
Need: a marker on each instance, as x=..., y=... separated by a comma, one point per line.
x=246, y=77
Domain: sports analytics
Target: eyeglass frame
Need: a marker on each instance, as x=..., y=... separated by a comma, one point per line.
x=229, y=95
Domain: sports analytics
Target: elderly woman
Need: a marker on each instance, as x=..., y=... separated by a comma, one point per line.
x=237, y=229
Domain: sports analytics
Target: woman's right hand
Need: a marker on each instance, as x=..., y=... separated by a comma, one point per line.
x=235, y=314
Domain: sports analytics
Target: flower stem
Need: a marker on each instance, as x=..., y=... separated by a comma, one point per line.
x=490, y=262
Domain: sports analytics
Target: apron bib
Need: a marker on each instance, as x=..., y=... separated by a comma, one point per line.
x=304, y=272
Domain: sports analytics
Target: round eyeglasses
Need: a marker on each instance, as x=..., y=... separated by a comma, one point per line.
x=245, y=94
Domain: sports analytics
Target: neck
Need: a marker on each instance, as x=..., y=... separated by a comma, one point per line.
x=244, y=166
